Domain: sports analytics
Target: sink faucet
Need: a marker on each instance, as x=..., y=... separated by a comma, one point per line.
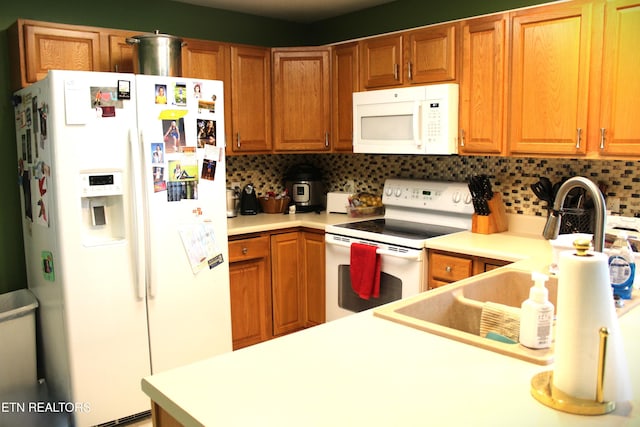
x=552, y=227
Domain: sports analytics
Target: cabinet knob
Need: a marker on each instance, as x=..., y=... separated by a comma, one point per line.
x=448, y=269
x=245, y=250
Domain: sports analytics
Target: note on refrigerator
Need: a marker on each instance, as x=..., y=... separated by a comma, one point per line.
x=200, y=245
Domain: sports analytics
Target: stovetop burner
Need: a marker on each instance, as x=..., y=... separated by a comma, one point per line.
x=400, y=228
x=415, y=211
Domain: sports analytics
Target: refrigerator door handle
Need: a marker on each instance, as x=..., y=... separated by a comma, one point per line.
x=138, y=195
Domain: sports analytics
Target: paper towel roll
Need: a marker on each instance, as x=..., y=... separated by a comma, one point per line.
x=585, y=304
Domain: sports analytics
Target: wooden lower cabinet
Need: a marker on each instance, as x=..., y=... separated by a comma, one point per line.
x=448, y=267
x=250, y=290
x=277, y=284
x=161, y=418
x=313, y=256
x=287, y=289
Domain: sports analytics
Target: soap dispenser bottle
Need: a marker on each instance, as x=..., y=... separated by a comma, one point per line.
x=536, y=316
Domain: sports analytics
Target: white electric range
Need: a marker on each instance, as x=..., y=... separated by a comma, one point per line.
x=415, y=211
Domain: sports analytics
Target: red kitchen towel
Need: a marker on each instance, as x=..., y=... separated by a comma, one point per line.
x=365, y=270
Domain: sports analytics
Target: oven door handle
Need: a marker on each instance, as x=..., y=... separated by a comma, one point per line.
x=413, y=255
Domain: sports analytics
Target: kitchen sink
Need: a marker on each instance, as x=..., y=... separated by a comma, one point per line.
x=454, y=311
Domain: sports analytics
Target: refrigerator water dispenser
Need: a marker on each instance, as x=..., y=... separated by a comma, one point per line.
x=103, y=220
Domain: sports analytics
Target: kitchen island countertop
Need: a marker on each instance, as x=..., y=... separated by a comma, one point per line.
x=366, y=371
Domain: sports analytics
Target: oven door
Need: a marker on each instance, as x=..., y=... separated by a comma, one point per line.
x=401, y=275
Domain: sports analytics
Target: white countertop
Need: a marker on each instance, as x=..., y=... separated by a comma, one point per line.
x=244, y=224
x=366, y=371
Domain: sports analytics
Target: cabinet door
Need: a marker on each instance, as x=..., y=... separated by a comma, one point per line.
x=431, y=54
x=287, y=290
x=344, y=70
x=380, y=62
x=301, y=107
x=121, y=54
x=250, y=99
x=482, y=88
x=550, y=79
x=314, y=276
x=203, y=59
x=619, y=105
x=50, y=48
x=250, y=289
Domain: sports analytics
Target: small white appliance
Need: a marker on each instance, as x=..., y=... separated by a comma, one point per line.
x=337, y=201
x=415, y=211
x=124, y=231
x=408, y=120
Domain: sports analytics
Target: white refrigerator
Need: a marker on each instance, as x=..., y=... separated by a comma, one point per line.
x=122, y=182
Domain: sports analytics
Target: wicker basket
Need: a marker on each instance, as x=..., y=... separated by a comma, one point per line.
x=272, y=205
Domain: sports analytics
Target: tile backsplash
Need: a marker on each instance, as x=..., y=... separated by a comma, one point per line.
x=511, y=176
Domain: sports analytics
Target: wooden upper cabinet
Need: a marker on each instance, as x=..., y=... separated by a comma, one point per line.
x=301, y=99
x=380, y=62
x=550, y=79
x=37, y=47
x=483, y=85
x=250, y=118
x=345, y=81
x=423, y=56
x=431, y=54
x=121, y=54
x=203, y=59
x=618, y=130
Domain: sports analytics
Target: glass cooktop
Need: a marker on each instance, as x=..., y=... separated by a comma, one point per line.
x=400, y=228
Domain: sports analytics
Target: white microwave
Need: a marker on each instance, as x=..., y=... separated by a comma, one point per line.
x=408, y=120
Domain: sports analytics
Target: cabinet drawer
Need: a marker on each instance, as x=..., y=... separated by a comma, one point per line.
x=245, y=249
x=450, y=268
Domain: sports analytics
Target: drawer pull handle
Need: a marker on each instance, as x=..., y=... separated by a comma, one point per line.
x=245, y=250
x=448, y=269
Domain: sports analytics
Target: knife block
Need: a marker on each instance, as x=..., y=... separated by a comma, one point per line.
x=495, y=222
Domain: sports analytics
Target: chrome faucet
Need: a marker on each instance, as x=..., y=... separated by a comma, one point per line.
x=552, y=227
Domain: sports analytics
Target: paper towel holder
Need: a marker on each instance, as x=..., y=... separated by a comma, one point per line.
x=543, y=390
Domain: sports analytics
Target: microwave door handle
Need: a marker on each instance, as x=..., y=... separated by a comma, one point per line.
x=417, y=114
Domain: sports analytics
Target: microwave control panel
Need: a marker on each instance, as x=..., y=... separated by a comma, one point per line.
x=433, y=121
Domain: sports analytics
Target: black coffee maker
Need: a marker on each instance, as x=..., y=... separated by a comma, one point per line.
x=249, y=201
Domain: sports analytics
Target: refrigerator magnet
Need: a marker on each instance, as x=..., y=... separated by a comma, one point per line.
x=108, y=111
x=124, y=89
x=48, y=270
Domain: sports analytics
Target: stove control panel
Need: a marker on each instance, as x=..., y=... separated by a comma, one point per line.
x=428, y=195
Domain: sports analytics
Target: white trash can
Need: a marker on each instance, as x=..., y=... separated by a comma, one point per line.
x=18, y=338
